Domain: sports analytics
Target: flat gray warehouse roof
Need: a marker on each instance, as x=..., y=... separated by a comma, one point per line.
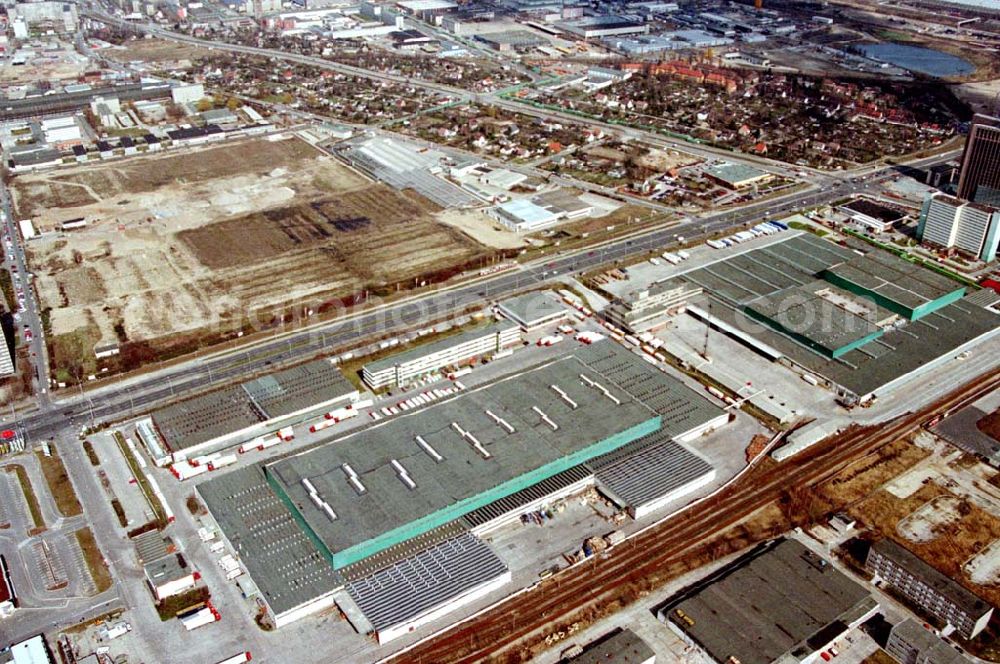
x=298, y=388
x=907, y=283
x=206, y=417
x=450, y=476
x=210, y=416
x=896, y=353
x=286, y=566
x=780, y=599
x=532, y=308
x=648, y=469
x=793, y=262
x=621, y=647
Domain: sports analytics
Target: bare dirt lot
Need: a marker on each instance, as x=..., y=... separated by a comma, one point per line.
x=206, y=239
x=156, y=51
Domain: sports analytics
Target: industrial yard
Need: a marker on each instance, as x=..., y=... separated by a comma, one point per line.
x=216, y=238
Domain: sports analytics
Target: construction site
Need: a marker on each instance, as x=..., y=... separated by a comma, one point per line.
x=216, y=239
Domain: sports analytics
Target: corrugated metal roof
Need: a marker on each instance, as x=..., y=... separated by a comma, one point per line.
x=432, y=577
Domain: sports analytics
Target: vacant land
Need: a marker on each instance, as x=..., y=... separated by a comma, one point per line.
x=155, y=51
x=990, y=425
x=59, y=484
x=95, y=559
x=943, y=527
x=195, y=245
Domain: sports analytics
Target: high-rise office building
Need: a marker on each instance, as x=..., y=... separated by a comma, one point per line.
x=971, y=227
x=979, y=181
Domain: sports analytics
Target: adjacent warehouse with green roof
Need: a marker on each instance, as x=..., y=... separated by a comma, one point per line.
x=907, y=289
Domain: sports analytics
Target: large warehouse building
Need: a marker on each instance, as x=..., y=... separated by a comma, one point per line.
x=385, y=522
x=862, y=323
x=229, y=416
x=778, y=603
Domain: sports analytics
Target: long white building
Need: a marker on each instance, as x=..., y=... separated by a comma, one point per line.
x=402, y=368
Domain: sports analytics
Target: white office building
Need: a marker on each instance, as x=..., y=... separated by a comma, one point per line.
x=970, y=227
x=403, y=368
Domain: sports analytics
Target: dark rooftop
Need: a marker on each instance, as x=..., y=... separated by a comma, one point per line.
x=286, y=566
x=874, y=210
x=620, y=647
x=769, y=603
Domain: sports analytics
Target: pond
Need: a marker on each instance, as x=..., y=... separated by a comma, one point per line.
x=919, y=59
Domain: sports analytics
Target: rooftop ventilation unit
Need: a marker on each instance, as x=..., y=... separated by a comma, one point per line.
x=353, y=478
x=317, y=501
x=426, y=447
x=564, y=396
x=502, y=422
x=600, y=388
x=545, y=418
x=472, y=439
x=403, y=475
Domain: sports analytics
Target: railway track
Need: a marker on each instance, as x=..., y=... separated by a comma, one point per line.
x=559, y=597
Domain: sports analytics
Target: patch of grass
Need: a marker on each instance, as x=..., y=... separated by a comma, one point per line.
x=119, y=512
x=154, y=503
x=29, y=494
x=88, y=447
x=94, y=558
x=59, y=484
x=169, y=608
x=809, y=228
x=74, y=352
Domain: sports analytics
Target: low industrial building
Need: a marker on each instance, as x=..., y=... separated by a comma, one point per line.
x=386, y=522
x=233, y=414
x=829, y=320
x=972, y=228
x=512, y=40
x=622, y=646
x=911, y=643
x=166, y=572
x=736, y=176
x=401, y=165
x=527, y=215
x=533, y=310
x=930, y=590
x=166, y=576
x=871, y=215
x=909, y=290
x=403, y=368
x=593, y=27
x=650, y=308
x=778, y=603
